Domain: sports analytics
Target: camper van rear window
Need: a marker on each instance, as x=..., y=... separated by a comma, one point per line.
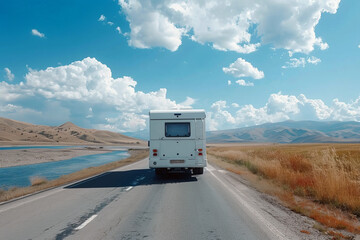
x=177, y=129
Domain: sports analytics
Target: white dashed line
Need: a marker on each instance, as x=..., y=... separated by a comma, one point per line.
x=86, y=222
x=210, y=168
x=128, y=189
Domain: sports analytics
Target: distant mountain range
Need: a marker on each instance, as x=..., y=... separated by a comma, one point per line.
x=282, y=132
x=291, y=132
x=15, y=132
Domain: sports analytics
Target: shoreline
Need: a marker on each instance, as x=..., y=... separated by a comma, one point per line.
x=21, y=157
x=18, y=192
x=31, y=143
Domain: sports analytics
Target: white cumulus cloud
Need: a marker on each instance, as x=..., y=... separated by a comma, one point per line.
x=150, y=27
x=291, y=24
x=242, y=68
x=101, y=18
x=313, y=60
x=90, y=80
x=346, y=111
x=244, y=83
x=188, y=102
x=9, y=75
x=321, y=44
x=118, y=29
x=128, y=122
x=35, y=32
x=229, y=25
x=235, y=105
x=301, y=62
x=295, y=62
x=11, y=92
x=88, y=84
x=281, y=107
x=218, y=115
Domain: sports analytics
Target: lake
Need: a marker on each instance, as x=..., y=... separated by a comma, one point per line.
x=19, y=176
x=34, y=147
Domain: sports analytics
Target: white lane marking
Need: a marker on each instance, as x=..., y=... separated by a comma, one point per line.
x=72, y=184
x=210, y=168
x=222, y=171
x=272, y=228
x=128, y=189
x=31, y=200
x=86, y=222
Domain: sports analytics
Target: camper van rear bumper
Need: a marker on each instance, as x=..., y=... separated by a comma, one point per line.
x=176, y=163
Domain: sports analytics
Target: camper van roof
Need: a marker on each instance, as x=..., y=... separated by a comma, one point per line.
x=177, y=114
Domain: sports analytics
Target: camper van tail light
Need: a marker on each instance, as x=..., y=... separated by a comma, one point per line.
x=200, y=153
x=154, y=150
x=154, y=154
x=200, y=149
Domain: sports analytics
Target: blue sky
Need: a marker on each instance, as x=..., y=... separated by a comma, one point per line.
x=105, y=64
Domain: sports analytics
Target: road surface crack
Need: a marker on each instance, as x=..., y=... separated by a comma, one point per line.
x=70, y=228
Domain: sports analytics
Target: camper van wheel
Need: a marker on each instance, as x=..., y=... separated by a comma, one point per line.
x=158, y=171
x=198, y=170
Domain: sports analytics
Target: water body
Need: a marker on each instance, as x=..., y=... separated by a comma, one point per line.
x=33, y=147
x=20, y=176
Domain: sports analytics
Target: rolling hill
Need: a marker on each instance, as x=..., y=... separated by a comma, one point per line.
x=291, y=132
x=15, y=132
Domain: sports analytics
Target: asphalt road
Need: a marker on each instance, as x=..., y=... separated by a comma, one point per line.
x=132, y=203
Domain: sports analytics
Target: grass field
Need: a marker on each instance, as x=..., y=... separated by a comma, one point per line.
x=39, y=184
x=327, y=175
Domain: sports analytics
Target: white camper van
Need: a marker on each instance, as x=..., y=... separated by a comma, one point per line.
x=177, y=141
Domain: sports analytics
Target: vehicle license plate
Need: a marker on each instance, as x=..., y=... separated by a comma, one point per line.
x=177, y=161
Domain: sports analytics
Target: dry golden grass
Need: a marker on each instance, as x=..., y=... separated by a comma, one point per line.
x=323, y=173
x=39, y=184
x=35, y=181
x=305, y=231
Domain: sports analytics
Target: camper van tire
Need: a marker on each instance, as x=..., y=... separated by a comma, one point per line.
x=198, y=171
x=159, y=171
